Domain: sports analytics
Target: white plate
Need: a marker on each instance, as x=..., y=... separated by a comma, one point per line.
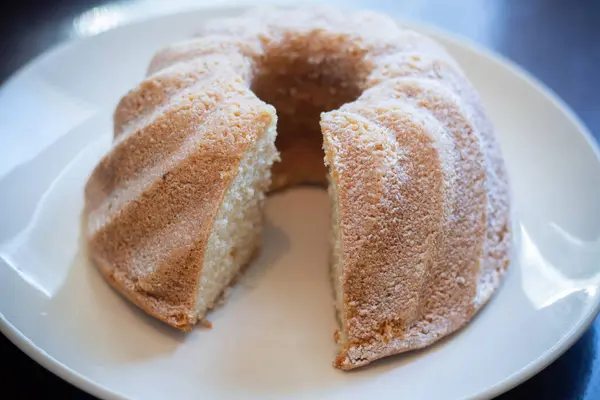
x=274, y=337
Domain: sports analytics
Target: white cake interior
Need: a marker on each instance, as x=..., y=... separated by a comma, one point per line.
x=238, y=224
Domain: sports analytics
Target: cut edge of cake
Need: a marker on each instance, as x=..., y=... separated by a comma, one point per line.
x=237, y=227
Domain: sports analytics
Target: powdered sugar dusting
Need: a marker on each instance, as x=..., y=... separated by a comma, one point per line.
x=417, y=178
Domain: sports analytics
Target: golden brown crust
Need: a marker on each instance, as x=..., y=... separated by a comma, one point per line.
x=431, y=252
x=421, y=187
x=147, y=226
x=179, y=317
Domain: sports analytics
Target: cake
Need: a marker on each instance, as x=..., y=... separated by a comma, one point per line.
x=381, y=116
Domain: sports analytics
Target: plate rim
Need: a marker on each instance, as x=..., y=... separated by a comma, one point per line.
x=80, y=381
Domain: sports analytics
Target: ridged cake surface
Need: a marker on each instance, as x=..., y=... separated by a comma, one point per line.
x=380, y=114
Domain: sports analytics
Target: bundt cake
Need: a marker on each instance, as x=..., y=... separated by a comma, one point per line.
x=379, y=114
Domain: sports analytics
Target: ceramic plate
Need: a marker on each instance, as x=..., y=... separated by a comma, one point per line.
x=274, y=337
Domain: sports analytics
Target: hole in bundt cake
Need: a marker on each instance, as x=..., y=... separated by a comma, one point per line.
x=302, y=82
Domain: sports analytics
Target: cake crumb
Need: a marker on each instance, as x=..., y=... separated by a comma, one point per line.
x=206, y=323
x=336, y=336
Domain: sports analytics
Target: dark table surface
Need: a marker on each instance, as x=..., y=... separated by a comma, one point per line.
x=556, y=40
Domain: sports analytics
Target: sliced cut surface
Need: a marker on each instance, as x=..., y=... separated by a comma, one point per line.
x=238, y=224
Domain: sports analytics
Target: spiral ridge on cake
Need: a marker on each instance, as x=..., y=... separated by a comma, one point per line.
x=380, y=115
